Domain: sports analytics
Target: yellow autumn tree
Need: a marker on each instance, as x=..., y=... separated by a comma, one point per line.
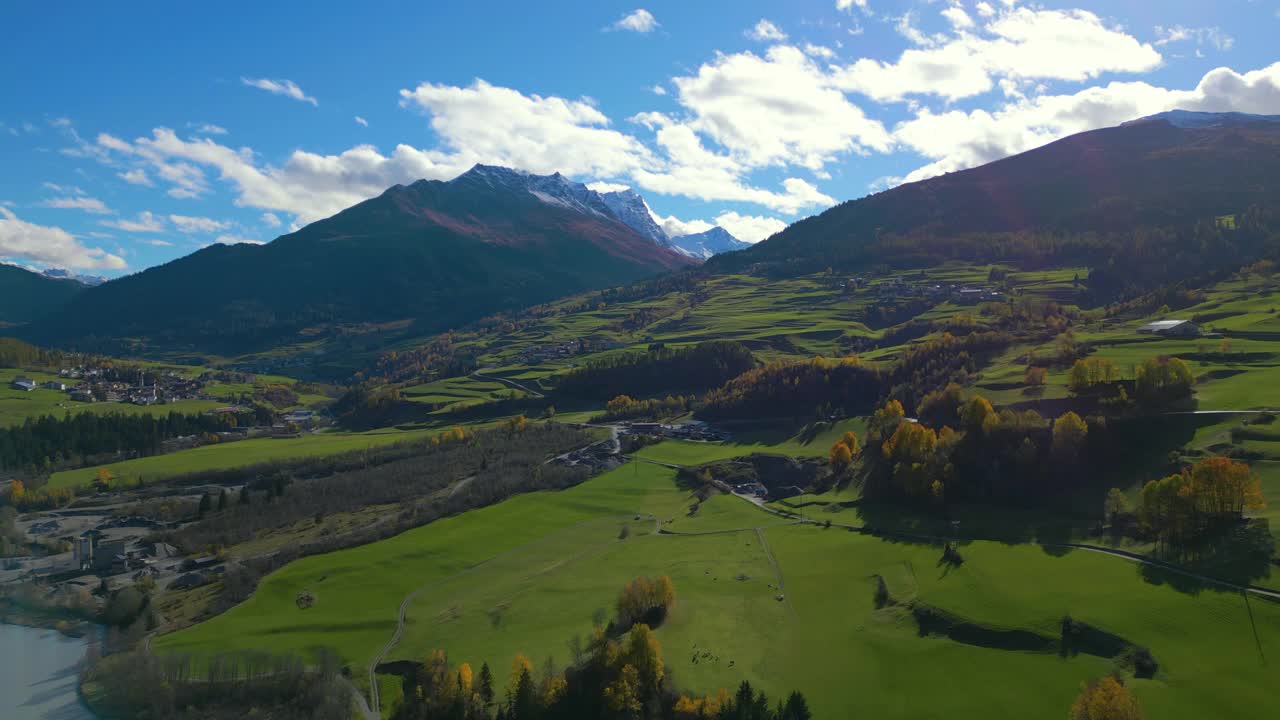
x=1106, y=699
x=1069, y=434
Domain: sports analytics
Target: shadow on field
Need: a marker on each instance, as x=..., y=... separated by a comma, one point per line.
x=1240, y=554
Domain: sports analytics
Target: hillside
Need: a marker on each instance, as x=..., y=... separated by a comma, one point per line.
x=1164, y=171
x=437, y=254
x=26, y=296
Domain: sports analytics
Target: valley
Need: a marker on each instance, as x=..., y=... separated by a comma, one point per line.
x=909, y=457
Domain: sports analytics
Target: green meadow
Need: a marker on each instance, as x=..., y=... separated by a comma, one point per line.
x=236, y=454
x=784, y=606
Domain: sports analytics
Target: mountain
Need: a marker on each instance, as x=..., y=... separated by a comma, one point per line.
x=438, y=254
x=630, y=208
x=1164, y=171
x=707, y=243
x=26, y=296
x=61, y=274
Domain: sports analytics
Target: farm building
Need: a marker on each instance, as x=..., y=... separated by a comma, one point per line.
x=23, y=383
x=1172, y=328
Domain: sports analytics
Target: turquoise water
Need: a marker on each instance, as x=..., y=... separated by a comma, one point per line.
x=38, y=676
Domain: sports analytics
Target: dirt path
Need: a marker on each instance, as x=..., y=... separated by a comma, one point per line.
x=777, y=574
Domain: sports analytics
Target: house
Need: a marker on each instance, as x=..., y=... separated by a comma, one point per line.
x=83, y=396
x=1171, y=328
x=55, y=385
x=23, y=383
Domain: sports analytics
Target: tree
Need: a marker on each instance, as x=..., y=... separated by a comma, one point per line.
x=245, y=499
x=1106, y=699
x=1115, y=505
x=206, y=504
x=1225, y=487
x=1035, y=376
x=840, y=458
x=486, y=684
x=1069, y=435
x=1163, y=379
x=222, y=500
x=103, y=478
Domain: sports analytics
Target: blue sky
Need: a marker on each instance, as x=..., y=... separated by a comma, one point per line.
x=132, y=134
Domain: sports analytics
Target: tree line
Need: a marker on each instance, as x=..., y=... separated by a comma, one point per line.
x=44, y=443
x=660, y=370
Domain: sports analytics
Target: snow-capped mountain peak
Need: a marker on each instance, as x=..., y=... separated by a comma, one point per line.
x=632, y=210
x=554, y=189
x=707, y=243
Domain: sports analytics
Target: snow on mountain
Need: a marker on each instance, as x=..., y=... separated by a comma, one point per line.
x=626, y=206
x=551, y=189
x=707, y=243
x=632, y=210
x=61, y=274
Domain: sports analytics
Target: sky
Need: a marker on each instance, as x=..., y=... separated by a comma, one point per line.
x=134, y=133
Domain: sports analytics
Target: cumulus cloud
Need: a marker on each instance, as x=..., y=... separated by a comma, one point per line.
x=608, y=187
x=361, y=121
x=79, y=202
x=21, y=241
x=956, y=139
x=487, y=123
x=850, y=4
x=271, y=220
x=136, y=176
x=188, y=224
x=819, y=51
x=145, y=222
x=658, y=90
x=287, y=88
x=1019, y=43
x=639, y=20
x=779, y=109
x=765, y=31
x=749, y=228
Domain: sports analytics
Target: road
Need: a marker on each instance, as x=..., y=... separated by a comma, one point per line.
x=481, y=376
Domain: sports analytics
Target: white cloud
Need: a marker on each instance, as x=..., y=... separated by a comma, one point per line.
x=71, y=189
x=24, y=241
x=487, y=123
x=639, y=20
x=361, y=121
x=749, y=228
x=658, y=90
x=1020, y=43
x=956, y=140
x=145, y=222
x=780, y=109
x=136, y=176
x=79, y=202
x=207, y=129
x=819, y=51
x=675, y=227
x=271, y=220
x=236, y=240
x=1200, y=35
x=849, y=4
x=984, y=9
x=287, y=88
x=188, y=224
x=155, y=242
x=607, y=187
x=958, y=18
x=765, y=31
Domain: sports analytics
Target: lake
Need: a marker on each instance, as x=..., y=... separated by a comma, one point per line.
x=40, y=675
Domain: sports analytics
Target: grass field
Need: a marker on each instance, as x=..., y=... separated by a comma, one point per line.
x=528, y=574
x=814, y=440
x=236, y=454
